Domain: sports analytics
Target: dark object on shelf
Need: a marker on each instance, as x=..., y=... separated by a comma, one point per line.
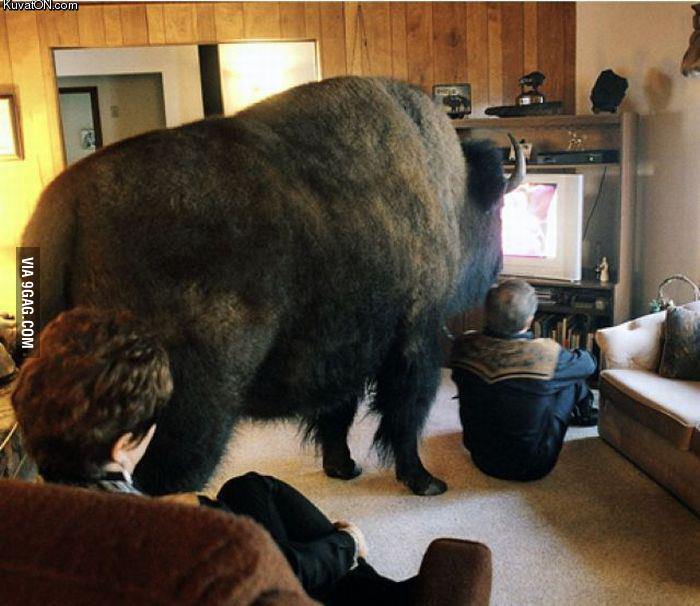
x=549, y=108
x=592, y=156
x=456, y=99
x=456, y=103
x=690, y=65
x=608, y=91
x=533, y=95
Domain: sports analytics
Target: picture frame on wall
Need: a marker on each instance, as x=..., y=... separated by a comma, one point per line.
x=10, y=138
x=454, y=99
x=88, y=139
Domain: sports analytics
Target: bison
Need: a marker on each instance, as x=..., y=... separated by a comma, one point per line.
x=293, y=258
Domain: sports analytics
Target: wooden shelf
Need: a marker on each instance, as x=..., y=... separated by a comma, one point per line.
x=561, y=121
x=534, y=167
x=544, y=308
x=581, y=284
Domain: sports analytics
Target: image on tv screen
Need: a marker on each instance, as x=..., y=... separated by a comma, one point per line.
x=530, y=221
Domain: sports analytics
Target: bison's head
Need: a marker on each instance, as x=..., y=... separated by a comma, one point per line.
x=480, y=221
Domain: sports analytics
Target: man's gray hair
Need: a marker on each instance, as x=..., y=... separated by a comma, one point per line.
x=509, y=305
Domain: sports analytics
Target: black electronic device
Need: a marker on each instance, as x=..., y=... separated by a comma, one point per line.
x=548, y=108
x=593, y=156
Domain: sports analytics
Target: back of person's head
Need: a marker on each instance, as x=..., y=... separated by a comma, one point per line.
x=99, y=375
x=509, y=306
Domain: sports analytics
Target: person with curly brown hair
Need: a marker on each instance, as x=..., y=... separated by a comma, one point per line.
x=88, y=408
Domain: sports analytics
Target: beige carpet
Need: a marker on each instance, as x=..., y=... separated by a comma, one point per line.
x=596, y=531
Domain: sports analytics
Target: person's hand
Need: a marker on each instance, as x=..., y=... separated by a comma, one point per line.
x=356, y=534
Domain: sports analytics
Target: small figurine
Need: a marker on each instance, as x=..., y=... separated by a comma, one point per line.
x=458, y=105
x=603, y=270
x=575, y=140
x=532, y=95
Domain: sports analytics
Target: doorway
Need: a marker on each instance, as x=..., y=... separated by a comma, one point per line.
x=97, y=111
x=80, y=120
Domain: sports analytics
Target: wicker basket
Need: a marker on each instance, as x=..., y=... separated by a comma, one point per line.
x=664, y=302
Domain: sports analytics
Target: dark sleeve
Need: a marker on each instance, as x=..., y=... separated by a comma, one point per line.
x=320, y=563
x=574, y=365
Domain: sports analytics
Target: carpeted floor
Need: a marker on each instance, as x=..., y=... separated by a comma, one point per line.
x=595, y=531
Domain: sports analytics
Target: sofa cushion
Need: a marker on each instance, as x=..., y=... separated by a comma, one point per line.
x=681, y=354
x=670, y=407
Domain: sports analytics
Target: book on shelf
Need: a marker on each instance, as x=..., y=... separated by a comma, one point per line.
x=572, y=331
x=546, y=295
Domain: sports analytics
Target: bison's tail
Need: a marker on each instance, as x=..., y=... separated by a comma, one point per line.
x=51, y=229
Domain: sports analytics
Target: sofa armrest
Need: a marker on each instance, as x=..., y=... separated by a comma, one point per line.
x=635, y=344
x=64, y=545
x=455, y=572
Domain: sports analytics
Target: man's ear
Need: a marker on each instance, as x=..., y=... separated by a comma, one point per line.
x=124, y=442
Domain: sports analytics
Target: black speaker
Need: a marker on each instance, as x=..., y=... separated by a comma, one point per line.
x=608, y=91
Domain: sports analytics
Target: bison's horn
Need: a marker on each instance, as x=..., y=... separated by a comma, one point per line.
x=519, y=173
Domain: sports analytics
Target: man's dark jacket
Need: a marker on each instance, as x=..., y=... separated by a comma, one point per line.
x=516, y=398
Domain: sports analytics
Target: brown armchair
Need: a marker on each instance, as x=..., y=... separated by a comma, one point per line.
x=70, y=546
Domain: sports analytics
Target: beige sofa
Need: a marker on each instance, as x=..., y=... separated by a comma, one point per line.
x=652, y=420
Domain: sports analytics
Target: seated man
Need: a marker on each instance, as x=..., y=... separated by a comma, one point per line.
x=518, y=395
x=87, y=409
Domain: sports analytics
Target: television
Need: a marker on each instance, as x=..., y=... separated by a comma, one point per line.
x=542, y=221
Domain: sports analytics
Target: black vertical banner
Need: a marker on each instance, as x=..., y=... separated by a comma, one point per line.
x=28, y=301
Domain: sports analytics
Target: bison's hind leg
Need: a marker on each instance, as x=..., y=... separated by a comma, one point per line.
x=406, y=386
x=329, y=429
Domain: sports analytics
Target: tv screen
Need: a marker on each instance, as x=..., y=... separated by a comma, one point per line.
x=530, y=221
x=542, y=227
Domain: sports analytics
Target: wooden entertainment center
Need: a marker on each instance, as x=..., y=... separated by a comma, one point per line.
x=608, y=217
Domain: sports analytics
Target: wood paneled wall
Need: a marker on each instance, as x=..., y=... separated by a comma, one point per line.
x=489, y=45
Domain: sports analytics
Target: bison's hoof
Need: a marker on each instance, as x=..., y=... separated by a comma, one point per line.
x=426, y=486
x=346, y=471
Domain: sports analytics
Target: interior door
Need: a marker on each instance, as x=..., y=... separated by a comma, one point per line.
x=80, y=119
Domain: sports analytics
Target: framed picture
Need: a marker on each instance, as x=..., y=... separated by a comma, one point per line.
x=10, y=140
x=87, y=139
x=455, y=99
